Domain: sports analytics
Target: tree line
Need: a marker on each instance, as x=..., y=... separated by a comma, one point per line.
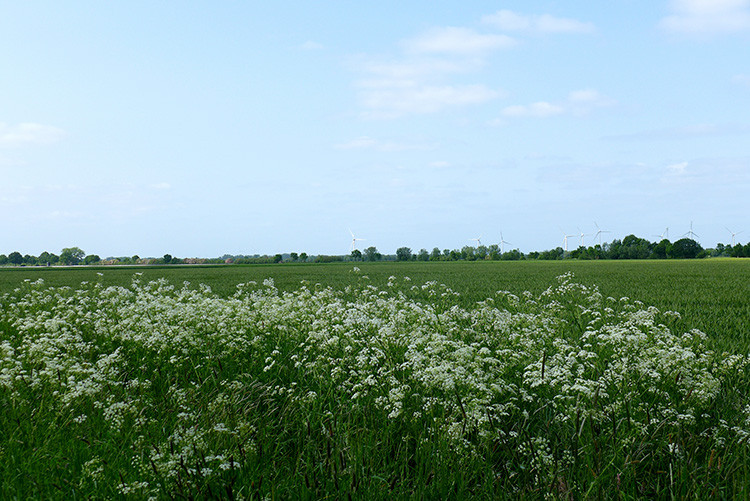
x=630, y=247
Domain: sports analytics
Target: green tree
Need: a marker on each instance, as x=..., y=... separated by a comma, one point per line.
x=662, y=250
x=686, y=248
x=435, y=255
x=423, y=255
x=294, y=256
x=403, y=254
x=277, y=258
x=91, y=259
x=356, y=255
x=15, y=257
x=372, y=254
x=71, y=255
x=303, y=256
x=48, y=258
x=167, y=258
x=3, y=259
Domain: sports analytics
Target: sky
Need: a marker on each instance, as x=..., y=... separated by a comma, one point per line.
x=207, y=128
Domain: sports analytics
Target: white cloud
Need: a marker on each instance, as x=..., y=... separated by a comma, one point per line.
x=678, y=168
x=365, y=142
x=456, y=40
x=705, y=17
x=510, y=21
x=579, y=102
x=28, y=134
x=311, y=45
x=541, y=109
x=395, y=101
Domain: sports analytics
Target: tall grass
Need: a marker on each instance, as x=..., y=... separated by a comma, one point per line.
x=371, y=392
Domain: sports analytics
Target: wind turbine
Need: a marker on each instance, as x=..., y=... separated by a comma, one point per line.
x=581, y=235
x=733, y=234
x=599, y=232
x=502, y=242
x=478, y=240
x=665, y=234
x=565, y=240
x=690, y=233
x=354, y=240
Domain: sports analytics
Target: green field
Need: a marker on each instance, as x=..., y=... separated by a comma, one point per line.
x=711, y=295
x=330, y=382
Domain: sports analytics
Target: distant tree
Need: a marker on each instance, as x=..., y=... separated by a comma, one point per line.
x=277, y=258
x=91, y=259
x=3, y=259
x=167, y=258
x=686, y=248
x=512, y=255
x=303, y=256
x=481, y=252
x=467, y=253
x=372, y=254
x=493, y=252
x=135, y=259
x=294, y=256
x=15, y=257
x=29, y=260
x=662, y=250
x=403, y=254
x=423, y=255
x=71, y=255
x=435, y=254
x=47, y=258
x=356, y=255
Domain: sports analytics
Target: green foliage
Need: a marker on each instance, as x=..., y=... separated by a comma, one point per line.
x=403, y=254
x=686, y=248
x=400, y=390
x=15, y=257
x=372, y=254
x=71, y=256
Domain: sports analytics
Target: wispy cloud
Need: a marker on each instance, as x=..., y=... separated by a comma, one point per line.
x=540, y=109
x=395, y=101
x=707, y=17
x=28, y=133
x=369, y=143
x=456, y=40
x=580, y=102
x=507, y=20
x=310, y=45
x=685, y=132
x=418, y=80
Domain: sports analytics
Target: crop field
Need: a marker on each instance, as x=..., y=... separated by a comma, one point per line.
x=385, y=381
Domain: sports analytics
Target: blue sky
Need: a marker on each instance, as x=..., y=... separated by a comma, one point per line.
x=198, y=129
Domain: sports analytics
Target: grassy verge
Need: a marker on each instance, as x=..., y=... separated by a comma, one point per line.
x=383, y=388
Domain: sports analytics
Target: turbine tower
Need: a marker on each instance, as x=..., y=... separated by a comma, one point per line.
x=582, y=235
x=354, y=240
x=502, y=242
x=599, y=232
x=733, y=235
x=690, y=234
x=565, y=240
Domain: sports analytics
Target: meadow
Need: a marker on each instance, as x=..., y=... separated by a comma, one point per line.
x=380, y=381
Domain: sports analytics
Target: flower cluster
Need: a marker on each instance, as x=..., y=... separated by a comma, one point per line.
x=528, y=383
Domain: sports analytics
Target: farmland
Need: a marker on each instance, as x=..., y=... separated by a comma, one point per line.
x=391, y=381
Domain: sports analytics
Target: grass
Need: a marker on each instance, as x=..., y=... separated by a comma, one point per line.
x=711, y=295
x=379, y=387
